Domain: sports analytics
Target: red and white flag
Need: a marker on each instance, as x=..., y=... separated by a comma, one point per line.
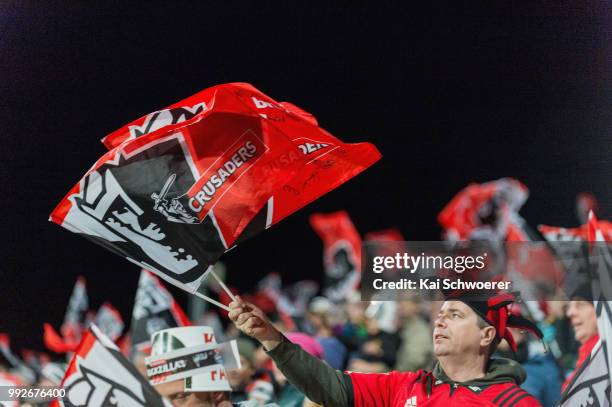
x=181, y=185
x=341, y=254
x=327, y=161
x=600, y=232
x=154, y=309
x=109, y=321
x=74, y=321
x=487, y=211
x=586, y=251
x=99, y=376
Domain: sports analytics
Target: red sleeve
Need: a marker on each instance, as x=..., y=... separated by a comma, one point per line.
x=377, y=389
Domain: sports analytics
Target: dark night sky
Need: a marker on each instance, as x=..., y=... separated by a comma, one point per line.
x=449, y=95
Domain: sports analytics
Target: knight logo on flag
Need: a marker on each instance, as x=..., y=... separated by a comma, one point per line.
x=180, y=186
x=341, y=253
x=100, y=376
x=154, y=310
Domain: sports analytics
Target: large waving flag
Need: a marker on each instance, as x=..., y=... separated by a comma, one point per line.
x=74, y=321
x=328, y=161
x=341, y=254
x=154, y=309
x=180, y=186
x=100, y=376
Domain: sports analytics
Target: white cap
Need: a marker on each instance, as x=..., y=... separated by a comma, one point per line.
x=213, y=377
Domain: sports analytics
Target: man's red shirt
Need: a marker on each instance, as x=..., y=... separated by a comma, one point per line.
x=421, y=388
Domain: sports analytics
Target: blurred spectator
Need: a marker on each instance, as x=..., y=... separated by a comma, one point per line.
x=584, y=321
x=416, y=350
x=319, y=315
x=562, y=342
x=240, y=379
x=354, y=332
x=378, y=353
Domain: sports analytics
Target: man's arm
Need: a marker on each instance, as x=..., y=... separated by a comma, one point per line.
x=316, y=379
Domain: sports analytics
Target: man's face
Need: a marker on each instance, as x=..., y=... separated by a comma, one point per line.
x=583, y=318
x=456, y=330
x=175, y=392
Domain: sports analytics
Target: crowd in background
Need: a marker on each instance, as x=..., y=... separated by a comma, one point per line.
x=371, y=337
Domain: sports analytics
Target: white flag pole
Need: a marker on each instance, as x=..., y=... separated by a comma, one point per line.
x=222, y=284
x=214, y=302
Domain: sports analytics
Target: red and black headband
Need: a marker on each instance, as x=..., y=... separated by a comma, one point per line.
x=495, y=310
